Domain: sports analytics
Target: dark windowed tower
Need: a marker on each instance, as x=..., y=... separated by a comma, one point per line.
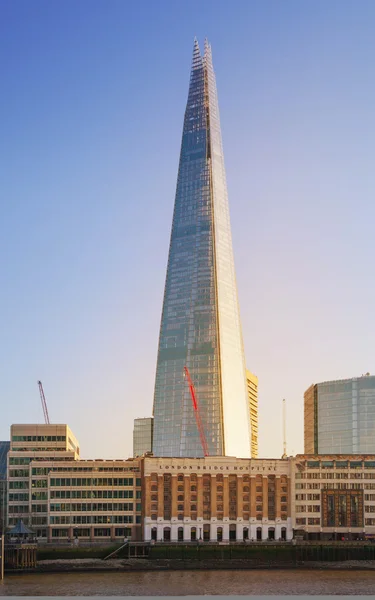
x=200, y=325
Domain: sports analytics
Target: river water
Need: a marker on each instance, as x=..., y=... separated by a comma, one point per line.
x=187, y=583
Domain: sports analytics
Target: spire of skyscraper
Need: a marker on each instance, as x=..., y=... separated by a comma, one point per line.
x=200, y=325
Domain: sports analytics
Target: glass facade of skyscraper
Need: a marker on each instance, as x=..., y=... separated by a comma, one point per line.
x=200, y=325
x=340, y=417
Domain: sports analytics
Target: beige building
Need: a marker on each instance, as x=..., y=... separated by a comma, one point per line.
x=252, y=393
x=216, y=498
x=333, y=496
x=59, y=496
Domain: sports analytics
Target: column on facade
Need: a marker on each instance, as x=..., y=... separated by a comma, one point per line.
x=278, y=496
x=174, y=497
x=213, y=497
x=265, y=507
x=147, y=503
x=187, y=497
x=113, y=533
x=265, y=497
x=200, y=497
x=226, y=496
x=252, y=497
x=239, y=497
x=160, y=496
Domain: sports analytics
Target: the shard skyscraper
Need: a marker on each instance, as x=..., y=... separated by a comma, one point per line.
x=200, y=325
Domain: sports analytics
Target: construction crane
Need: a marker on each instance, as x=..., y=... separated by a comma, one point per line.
x=44, y=403
x=196, y=412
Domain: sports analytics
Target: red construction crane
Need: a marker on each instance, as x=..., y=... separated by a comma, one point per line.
x=196, y=412
x=44, y=403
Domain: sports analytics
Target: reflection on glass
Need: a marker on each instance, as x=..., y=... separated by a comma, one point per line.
x=200, y=325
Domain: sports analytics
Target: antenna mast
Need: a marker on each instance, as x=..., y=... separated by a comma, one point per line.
x=284, y=429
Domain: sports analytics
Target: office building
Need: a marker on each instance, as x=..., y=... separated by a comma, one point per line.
x=61, y=497
x=4, y=449
x=142, y=436
x=340, y=417
x=216, y=499
x=333, y=497
x=200, y=324
x=252, y=393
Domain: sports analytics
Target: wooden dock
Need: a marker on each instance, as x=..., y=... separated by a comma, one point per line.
x=19, y=555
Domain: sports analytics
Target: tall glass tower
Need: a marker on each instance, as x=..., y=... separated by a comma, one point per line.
x=200, y=325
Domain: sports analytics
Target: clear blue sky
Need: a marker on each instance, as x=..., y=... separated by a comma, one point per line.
x=92, y=103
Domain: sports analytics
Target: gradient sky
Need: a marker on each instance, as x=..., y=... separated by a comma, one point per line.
x=92, y=104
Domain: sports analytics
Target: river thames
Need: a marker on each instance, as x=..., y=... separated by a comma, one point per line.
x=187, y=583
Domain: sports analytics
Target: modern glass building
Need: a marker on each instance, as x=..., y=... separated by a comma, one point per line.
x=340, y=417
x=200, y=325
x=142, y=436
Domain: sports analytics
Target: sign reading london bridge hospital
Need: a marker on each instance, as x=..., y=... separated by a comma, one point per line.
x=225, y=465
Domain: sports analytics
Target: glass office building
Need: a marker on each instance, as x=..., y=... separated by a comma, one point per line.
x=340, y=417
x=200, y=325
x=142, y=436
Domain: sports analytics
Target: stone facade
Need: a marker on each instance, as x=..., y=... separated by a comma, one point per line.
x=216, y=498
x=333, y=496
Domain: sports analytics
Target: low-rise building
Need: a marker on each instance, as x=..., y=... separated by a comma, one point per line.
x=333, y=496
x=59, y=496
x=216, y=498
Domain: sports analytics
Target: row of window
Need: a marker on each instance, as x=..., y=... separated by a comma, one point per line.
x=337, y=486
x=93, y=507
x=309, y=520
x=310, y=508
x=19, y=497
x=340, y=464
x=333, y=475
x=93, y=519
x=38, y=438
x=66, y=494
x=93, y=482
x=98, y=532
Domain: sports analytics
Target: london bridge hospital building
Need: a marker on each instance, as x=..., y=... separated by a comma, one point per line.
x=216, y=499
